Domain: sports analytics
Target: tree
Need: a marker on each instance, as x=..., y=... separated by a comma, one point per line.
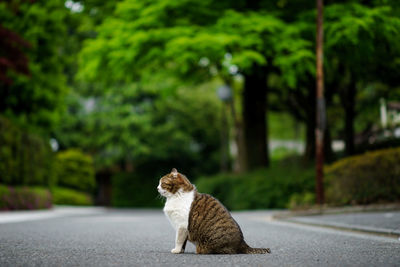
x=360, y=42
x=370, y=56
x=134, y=126
x=13, y=57
x=35, y=99
x=190, y=40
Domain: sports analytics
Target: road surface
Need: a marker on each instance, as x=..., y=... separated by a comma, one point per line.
x=145, y=238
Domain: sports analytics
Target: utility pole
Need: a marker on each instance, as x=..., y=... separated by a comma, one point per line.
x=320, y=106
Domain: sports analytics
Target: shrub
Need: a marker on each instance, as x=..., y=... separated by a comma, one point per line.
x=65, y=196
x=25, y=159
x=260, y=189
x=133, y=190
x=369, y=178
x=75, y=170
x=302, y=201
x=391, y=142
x=17, y=198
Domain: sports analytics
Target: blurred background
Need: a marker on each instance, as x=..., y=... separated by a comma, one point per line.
x=99, y=99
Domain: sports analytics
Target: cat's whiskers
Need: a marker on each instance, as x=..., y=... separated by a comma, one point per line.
x=163, y=199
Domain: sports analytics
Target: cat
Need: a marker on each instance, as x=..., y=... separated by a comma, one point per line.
x=201, y=219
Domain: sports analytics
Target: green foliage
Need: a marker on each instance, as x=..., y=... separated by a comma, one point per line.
x=361, y=55
x=75, y=170
x=139, y=33
x=36, y=99
x=261, y=189
x=17, y=198
x=66, y=196
x=25, y=159
x=148, y=71
x=131, y=190
x=302, y=201
x=141, y=38
x=282, y=126
x=138, y=126
x=381, y=143
x=358, y=35
x=368, y=178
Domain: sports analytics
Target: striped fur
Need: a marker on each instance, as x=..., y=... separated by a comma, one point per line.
x=210, y=225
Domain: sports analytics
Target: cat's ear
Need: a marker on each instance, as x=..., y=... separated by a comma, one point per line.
x=174, y=172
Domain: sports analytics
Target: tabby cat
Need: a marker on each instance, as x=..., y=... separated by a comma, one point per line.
x=201, y=219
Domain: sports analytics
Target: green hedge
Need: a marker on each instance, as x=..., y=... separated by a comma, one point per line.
x=261, y=189
x=363, y=179
x=65, y=196
x=132, y=190
x=25, y=159
x=75, y=170
x=17, y=198
x=391, y=142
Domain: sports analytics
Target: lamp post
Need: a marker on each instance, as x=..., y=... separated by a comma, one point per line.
x=224, y=93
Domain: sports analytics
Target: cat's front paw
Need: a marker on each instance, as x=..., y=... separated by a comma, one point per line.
x=176, y=251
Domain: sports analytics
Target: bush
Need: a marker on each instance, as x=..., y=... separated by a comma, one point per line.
x=391, y=142
x=261, y=189
x=65, y=196
x=25, y=159
x=132, y=190
x=302, y=201
x=17, y=198
x=75, y=170
x=369, y=178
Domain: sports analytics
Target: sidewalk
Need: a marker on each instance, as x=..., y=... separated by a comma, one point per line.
x=381, y=220
x=56, y=212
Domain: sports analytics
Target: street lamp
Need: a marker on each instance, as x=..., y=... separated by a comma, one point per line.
x=224, y=93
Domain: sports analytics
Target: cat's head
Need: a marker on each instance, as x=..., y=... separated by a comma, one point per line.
x=174, y=183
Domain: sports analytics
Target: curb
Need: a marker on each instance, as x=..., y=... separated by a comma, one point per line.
x=339, y=210
x=293, y=217
x=347, y=227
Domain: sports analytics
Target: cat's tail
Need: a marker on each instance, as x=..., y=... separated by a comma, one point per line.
x=249, y=250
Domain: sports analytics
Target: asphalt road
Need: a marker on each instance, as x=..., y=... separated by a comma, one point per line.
x=145, y=238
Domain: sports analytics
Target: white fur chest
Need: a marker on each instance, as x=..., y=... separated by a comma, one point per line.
x=177, y=209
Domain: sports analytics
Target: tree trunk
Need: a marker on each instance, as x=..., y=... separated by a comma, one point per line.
x=254, y=118
x=104, y=188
